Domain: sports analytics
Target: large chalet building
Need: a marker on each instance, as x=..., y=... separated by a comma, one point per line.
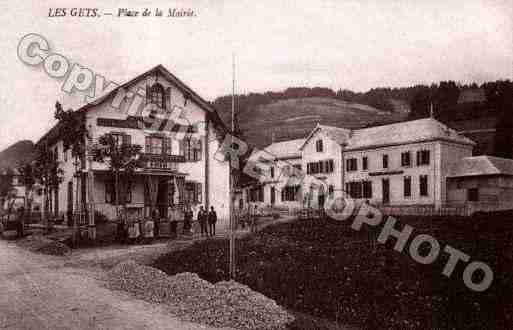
x=179, y=169
x=406, y=164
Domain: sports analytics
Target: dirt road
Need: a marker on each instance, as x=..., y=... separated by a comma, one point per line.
x=44, y=292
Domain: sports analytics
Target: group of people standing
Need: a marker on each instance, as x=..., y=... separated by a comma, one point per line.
x=207, y=221
x=131, y=230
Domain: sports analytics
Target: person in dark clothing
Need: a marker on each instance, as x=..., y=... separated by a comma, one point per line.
x=187, y=220
x=121, y=231
x=20, y=222
x=212, y=219
x=155, y=216
x=202, y=219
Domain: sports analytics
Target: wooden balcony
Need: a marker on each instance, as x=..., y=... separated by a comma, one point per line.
x=162, y=162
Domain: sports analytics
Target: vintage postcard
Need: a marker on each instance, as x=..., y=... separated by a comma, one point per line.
x=256, y=164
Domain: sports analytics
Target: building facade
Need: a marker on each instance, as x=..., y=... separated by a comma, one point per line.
x=483, y=182
x=180, y=135
x=399, y=164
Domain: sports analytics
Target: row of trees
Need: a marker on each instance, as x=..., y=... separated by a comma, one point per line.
x=492, y=99
x=443, y=95
x=44, y=170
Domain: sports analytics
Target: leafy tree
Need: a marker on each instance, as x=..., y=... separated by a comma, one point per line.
x=6, y=188
x=72, y=131
x=446, y=97
x=48, y=173
x=122, y=157
x=421, y=102
x=500, y=96
x=28, y=179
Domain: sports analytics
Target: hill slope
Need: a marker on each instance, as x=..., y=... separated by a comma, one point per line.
x=295, y=118
x=17, y=153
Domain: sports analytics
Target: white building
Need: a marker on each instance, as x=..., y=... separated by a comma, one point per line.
x=274, y=188
x=21, y=197
x=177, y=171
x=404, y=163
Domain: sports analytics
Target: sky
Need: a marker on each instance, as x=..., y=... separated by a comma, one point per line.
x=354, y=45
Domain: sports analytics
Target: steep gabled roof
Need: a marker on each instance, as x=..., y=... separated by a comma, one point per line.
x=482, y=165
x=337, y=134
x=421, y=130
x=285, y=149
x=211, y=111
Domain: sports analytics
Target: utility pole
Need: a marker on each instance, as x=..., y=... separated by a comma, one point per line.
x=91, y=208
x=232, y=220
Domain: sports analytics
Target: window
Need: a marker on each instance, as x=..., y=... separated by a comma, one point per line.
x=65, y=152
x=330, y=164
x=352, y=164
x=289, y=193
x=318, y=146
x=331, y=190
x=385, y=161
x=407, y=186
x=423, y=185
x=365, y=163
x=168, y=146
x=405, y=159
x=354, y=189
x=367, y=189
x=157, y=95
x=473, y=194
x=423, y=157
x=272, y=172
x=191, y=149
x=193, y=193
x=154, y=145
x=256, y=194
x=110, y=193
x=322, y=166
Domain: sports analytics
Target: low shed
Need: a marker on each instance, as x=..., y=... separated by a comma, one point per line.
x=485, y=181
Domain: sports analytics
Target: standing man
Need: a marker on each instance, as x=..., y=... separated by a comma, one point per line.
x=187, y=220
x=254, y=219
x=155, y=215
x=20, y=222
x=212, y=219
x=202, y=219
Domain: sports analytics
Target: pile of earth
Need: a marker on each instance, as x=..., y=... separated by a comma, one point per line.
x=225, y=304
x=41, y=244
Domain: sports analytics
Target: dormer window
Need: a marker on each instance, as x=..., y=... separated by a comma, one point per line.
x=157, y=95
x=319, y=146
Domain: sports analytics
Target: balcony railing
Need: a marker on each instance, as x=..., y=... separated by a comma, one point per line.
x=162, y=162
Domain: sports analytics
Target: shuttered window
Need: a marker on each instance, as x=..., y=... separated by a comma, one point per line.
x=423, y=157
x=407, y=186
x=323, y=166
x=423, y=185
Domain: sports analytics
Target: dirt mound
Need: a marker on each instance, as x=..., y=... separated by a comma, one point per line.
x=226, y=304
x=37, y=243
